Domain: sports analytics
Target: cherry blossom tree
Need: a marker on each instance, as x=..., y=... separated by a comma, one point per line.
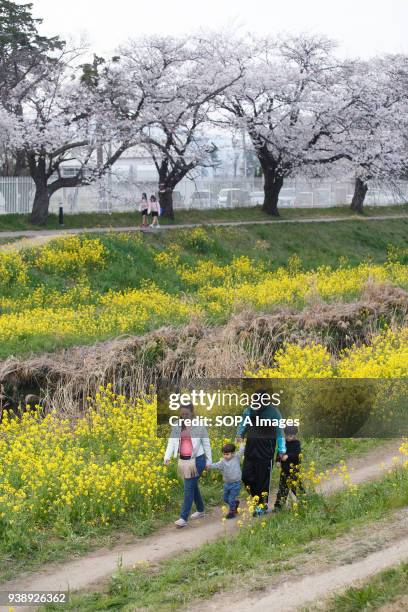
x=66, y=118
x=374, y=132
x=24, y=55
x=287, y=101
x=157, y=92
x=190, y=73
x=303, y=109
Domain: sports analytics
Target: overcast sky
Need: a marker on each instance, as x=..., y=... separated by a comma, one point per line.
x=361, y=27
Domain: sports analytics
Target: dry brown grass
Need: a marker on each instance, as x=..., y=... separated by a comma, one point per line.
x=64, y=379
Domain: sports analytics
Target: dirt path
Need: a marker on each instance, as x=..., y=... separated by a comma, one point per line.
x=101, y=564
x=34, y=238
x=327, y=565
x=102, y=230
x=296, y=593
x=399, y=605
x=332, y=565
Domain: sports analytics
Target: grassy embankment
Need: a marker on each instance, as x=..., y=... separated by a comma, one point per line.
x=132, y=264
x=13, y=222
x=41, y=539
x=387, y=587
x=262, y=547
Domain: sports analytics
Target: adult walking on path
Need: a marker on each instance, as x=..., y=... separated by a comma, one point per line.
x=192, y=446
x=261, y=441
x=82, y=572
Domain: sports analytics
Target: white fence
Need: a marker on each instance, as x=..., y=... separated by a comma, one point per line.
x=16, y=194
x=111, y=195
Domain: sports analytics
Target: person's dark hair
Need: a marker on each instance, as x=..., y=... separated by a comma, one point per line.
x=229, y=448
x=190, y=408
x=144, y=196
x=291, y=430
x=262, y=392
x=153, y=198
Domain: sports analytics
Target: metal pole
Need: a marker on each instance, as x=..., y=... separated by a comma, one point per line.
x=61, y=215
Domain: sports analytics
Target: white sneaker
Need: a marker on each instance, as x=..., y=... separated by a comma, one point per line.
x=197, y=515
x=180, y=523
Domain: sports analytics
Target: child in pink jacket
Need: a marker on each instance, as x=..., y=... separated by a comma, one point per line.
x=154, y=209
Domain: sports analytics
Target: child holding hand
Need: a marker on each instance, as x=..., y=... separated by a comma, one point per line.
x=290, y=466
x=230, y=466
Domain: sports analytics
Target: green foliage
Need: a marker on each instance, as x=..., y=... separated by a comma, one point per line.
x=383, y=588
x=198, y=240
x=336, y=407
x=398, y=254
x=131, y=259
x=131, y=219
x=256, y=548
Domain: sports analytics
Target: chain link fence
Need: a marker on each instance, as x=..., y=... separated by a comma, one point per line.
x=113, y=195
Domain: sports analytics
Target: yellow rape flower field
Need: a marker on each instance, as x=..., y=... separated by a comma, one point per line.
x=114, y=313
x=32, y=311
x=385, y=357
x=61, y=474
x=109, y=462
x=66, y=475
x=71, y=254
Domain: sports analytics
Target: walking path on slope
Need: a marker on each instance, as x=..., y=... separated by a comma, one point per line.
x=102, y=230
x=168, y=542
x=293, y=594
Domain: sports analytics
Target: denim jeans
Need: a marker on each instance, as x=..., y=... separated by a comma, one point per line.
x=231, y=492
x=192, y=492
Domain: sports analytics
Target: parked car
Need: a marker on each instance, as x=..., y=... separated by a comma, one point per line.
x=373, y=198
x=233, y=197
x=287, y=197
x=178, y=199
x=202, y=199
x=257, y=197
x=307, y=199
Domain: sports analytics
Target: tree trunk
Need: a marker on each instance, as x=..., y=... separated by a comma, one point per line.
x=166, y=200
x=20, y=164
x=272, y=186
x=39, y=213
x=360, y=190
